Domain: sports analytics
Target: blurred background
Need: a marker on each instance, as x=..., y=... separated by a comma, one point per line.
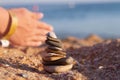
x=78, y=18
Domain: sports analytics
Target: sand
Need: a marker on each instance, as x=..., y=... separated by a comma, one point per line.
x=98, y=59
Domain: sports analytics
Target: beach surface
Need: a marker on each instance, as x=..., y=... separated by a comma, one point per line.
x=98, y=59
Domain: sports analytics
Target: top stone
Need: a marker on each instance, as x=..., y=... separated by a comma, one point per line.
x=52, y=34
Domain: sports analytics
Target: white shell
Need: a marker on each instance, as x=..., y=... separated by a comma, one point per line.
x=5, y=43
x=52, y=34
x=24, y=75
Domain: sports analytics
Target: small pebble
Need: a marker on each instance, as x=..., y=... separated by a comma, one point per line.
x=100, y=67
x=24, y=75
x=7, y=65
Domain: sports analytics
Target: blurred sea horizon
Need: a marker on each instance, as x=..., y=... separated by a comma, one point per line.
x=79, y=20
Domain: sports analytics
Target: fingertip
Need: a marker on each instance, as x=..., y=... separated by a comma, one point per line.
x=43, y=25
x=38, y=44
x=42, y=14
x=38, y=15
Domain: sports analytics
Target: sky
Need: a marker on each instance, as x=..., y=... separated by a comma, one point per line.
x=51, y=1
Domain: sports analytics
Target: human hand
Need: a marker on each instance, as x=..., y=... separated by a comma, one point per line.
x=30, y=31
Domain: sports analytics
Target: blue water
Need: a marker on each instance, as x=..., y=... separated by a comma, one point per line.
x=80, y=20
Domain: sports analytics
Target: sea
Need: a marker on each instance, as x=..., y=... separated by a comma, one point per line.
x=79, y=19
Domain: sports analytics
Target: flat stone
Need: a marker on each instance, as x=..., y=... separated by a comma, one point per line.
x=52, y=34
x=58, y=68
x=53, y=43
x=52, y=58
x=53, y=55
x=57, y=52
x=54, y=39
x=55, y=48
x=62, y=61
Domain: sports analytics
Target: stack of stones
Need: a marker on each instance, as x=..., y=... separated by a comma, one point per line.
x=55, y=59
